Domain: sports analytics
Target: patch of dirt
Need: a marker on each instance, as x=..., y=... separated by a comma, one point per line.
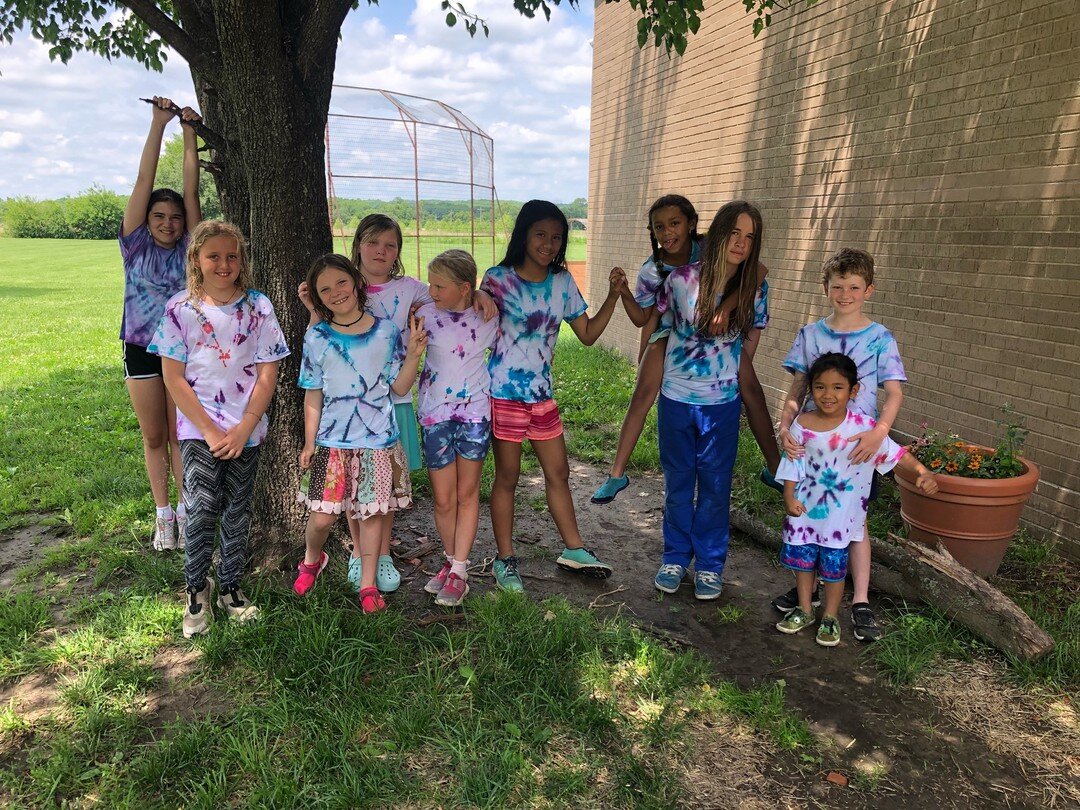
x=898, y=748
x=176, y=696
x=32, y=697
x=25, y=545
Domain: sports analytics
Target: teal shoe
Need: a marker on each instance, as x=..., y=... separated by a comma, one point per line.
x=356, y=572
x=609, y=489
x=583, y=561
x=707, y=585
x=506, y=574
x=769, y=480
x=669, y=577
x=387, y=578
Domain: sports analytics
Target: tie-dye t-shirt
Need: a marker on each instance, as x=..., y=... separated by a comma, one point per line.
x=650, y=279
x=873, y=349
x=392, y=301
x=221, y=347
x=700, y=369
x=455, y=383
x=354, y=373
x=530, y=313
x=152, y=275
x=834, y=491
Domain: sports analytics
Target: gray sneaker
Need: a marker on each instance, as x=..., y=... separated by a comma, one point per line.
x=237, y=606
x=164, y=535
x=197, y=614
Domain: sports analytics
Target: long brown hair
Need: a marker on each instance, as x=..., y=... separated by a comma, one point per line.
x=368, y=230
x=714, y=286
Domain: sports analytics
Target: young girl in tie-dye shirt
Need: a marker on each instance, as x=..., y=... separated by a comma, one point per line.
x=535, y=293
x=455, y=413
x=826, y=493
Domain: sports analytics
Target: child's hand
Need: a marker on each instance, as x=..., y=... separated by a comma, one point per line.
x=926, y=482
x=305, y=297
x=869, y=441
x=417, y=338
x=214, y=436
x=307, y=455
x=719, y=323
x=793, y=449
x=485, y=305
x=189, y=116
x=232, y=443
x=414, y=309
x=794, y=506
x=163, y=110
x=617, y=281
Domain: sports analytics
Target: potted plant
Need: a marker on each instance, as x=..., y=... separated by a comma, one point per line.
x=981, y=493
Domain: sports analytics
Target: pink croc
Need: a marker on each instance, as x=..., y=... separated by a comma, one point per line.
x=305, y=580
x=371, y=600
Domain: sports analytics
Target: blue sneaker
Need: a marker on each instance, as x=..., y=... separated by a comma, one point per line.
x=583, y=561
x=387, y=578
x=769, y=480
x=356, y=572
x=707, y=585
x=609, y=489
x=669, y=577
x=506, y=574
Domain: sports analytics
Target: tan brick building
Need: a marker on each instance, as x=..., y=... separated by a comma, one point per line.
x=940, y=135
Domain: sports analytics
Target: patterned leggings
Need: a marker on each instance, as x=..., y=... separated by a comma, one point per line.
x=215, y=489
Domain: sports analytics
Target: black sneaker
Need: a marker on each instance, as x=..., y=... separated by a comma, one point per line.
x=863, y=624
x=787, y=602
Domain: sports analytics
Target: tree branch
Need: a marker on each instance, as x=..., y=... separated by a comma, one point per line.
x=174, y=36
x=212, y=138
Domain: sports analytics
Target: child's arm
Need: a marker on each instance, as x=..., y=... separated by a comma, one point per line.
x=753, y=397
x=232, y=445
x=792, y=405
x=870, y=440
x=925, y=481
x=793, y=505
x=188, y=402
x=135, y=211
x=639, y=315
x=313, y=399
x=418, y=338
x=588, y=330
x=192, y=206
x=485, y=305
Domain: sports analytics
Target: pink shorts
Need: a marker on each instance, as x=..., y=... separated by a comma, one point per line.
x=513, y=421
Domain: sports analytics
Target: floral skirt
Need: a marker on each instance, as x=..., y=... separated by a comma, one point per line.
x=360, y=482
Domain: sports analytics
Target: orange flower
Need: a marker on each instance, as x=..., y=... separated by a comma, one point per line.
x=973, y=464
x=952, y=467
x=935, y=463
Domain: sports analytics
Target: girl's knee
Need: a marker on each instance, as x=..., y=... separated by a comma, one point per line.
x=321, y=521
x=157, y=438
x=557, y=474
x=444, y=501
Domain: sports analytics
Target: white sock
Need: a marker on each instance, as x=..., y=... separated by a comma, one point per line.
x=181, y=510
x=449, y=559
x=165, y=512
x=459, y=567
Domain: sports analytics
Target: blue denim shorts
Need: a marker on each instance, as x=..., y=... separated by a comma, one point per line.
x=830, y=563
x=444, y=441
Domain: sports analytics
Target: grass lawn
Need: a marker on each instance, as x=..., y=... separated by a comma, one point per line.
x=315, y=705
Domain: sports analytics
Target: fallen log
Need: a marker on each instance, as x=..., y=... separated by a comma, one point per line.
x=910, y=570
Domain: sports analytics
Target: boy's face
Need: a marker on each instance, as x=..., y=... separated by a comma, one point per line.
x=847, y=294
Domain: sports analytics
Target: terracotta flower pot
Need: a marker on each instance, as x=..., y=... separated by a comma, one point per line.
x=975, y=518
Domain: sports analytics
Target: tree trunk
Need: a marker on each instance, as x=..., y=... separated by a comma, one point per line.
x=914, y=571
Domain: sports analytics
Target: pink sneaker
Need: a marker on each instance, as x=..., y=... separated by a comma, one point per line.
x=308, y=574
x=455, y=590
x=435, y=584
x=371, y=600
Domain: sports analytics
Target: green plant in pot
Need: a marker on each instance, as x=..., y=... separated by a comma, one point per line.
x=981, y=493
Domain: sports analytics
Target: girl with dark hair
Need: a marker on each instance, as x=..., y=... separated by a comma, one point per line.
x=153, y=242
x=535, y=293
x=826, y=493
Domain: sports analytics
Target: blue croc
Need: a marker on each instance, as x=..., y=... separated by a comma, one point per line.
x=356, y=572
x=609, y=489
x=769, y=480
x=387, y=578
x=669, y=577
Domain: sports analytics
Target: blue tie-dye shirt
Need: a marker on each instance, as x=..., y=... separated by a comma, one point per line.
x=530, y=313
x=354, y=373
x=221, y=347
x=455, y=383
x=700, y=369
x=392, y=301
x=152, y=275
x=651, y=278
x=873, y=349
x=834, y=490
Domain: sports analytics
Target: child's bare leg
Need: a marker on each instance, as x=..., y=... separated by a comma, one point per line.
x=354, y=533
x=650, y=375
x=551, y=454
x=444, y=486
x=804, y=582
x=318, y=529
x=175, y=462
x=150, y=404
x=757, y=413
x=859, y=565
x=507, y=471
x=834, y=593
x=468, y=506
x=370, y=533
x=384, y=538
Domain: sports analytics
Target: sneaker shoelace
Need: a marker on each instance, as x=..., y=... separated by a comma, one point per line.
x=589, y=551
x=194, y=606
x=235, y=599
x=709, y=577
x=672, y=569
x=510, y=567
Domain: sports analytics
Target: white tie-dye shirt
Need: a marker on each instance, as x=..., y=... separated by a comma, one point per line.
x=455, y=383
x=392, y=301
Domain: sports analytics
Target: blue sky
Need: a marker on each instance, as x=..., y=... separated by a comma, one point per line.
x=66, y=127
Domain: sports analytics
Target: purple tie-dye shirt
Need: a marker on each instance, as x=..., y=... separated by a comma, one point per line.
x=834, y=490
x=650, y=278
x=152, y=275
x=530, y=313
x=455, y=383
x=700, y=369
x=221, y=347
x=392, y=301
x=873, y=349
x=354, y=373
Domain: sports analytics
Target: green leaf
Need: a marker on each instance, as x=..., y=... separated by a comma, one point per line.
x=451, y=19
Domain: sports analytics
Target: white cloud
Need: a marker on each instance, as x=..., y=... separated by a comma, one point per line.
x=9, y=140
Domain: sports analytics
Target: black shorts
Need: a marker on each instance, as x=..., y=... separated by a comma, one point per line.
x=874, y=489
x=139, y=364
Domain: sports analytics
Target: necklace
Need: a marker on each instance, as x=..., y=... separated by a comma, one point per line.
x=224, y=303
x=351, y=323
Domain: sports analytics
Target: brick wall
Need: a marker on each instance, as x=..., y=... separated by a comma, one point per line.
x=939, y=135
